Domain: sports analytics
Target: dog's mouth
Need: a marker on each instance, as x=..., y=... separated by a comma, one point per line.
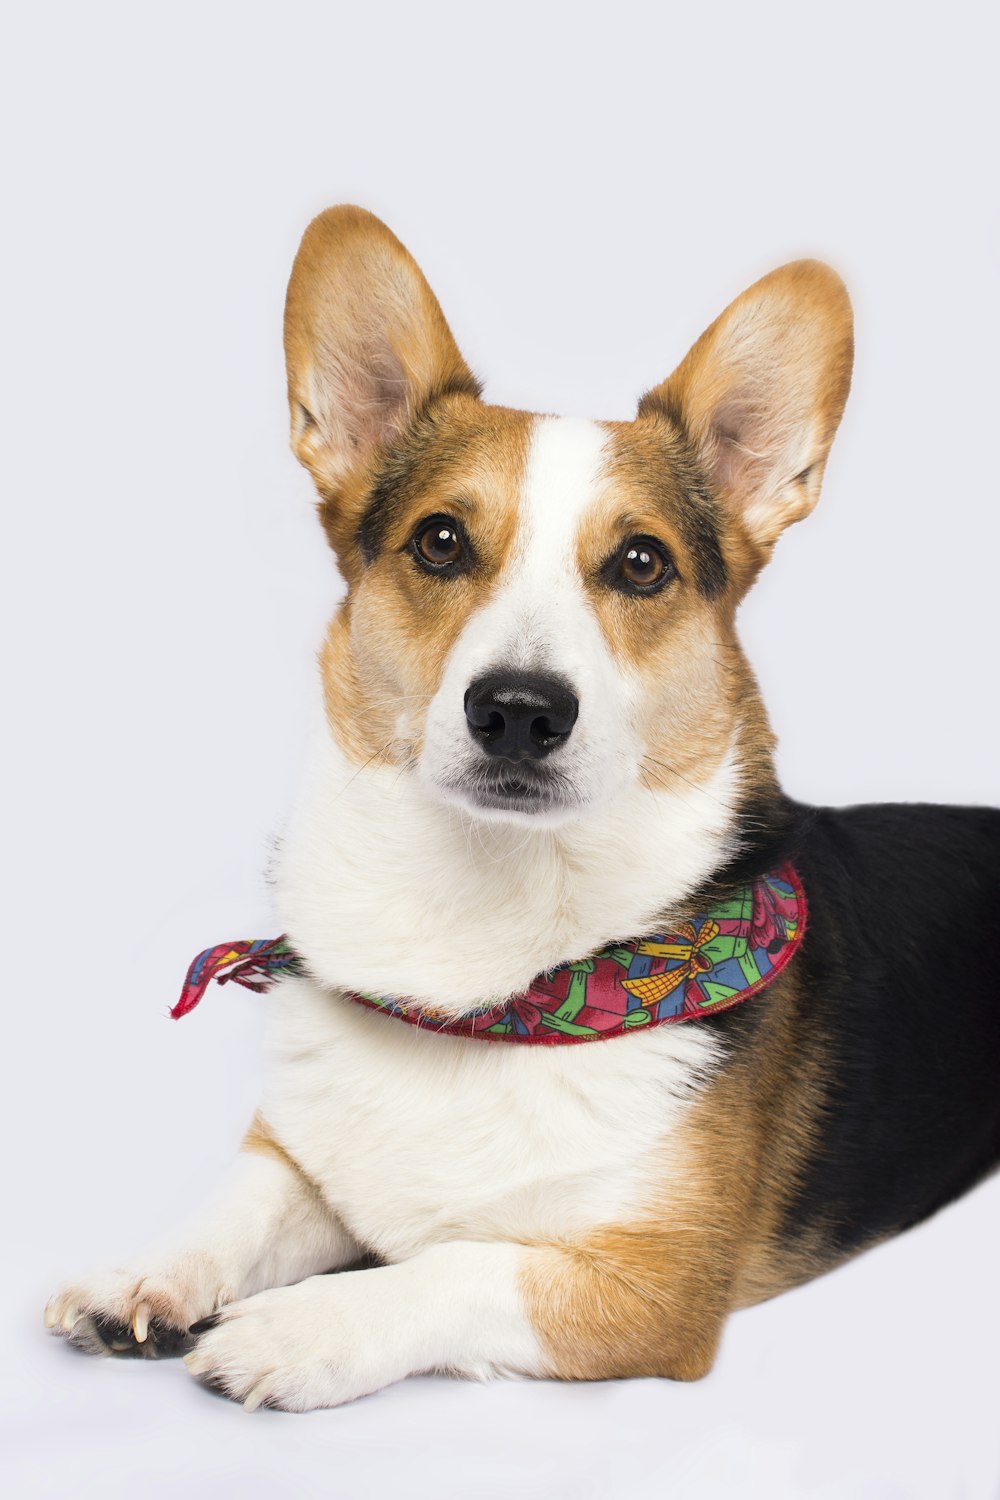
x=513, y=789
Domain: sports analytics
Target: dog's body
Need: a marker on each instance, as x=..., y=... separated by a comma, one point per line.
x=541, y=737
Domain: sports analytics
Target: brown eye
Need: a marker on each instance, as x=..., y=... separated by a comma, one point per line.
x=644, y=565
x=438, y=543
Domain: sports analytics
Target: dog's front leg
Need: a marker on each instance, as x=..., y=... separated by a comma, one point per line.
x=471, y=1308
x=268, y=1226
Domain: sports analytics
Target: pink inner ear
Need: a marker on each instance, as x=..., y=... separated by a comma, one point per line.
x=372, y=396
x=737, y=439
x=761, y=393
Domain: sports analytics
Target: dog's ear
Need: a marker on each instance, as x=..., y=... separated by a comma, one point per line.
x=761, y=393
x=366, y=344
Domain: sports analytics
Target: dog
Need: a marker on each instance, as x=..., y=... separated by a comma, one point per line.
x=542, y=821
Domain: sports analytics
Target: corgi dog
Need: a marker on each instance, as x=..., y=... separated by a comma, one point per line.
x=542, y=821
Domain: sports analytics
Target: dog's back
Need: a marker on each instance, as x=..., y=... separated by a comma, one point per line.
x=904, y=997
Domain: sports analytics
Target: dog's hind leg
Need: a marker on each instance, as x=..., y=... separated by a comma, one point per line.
x=268, y=1226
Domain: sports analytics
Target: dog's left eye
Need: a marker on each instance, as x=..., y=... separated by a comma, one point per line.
x=438, y=544
x=641, y=566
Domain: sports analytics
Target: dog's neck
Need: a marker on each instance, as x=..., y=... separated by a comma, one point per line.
x=384, y=889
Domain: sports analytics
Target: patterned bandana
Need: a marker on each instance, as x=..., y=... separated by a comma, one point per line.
x=709, y=964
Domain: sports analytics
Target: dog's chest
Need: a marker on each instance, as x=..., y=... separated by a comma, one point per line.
x=414, y=1137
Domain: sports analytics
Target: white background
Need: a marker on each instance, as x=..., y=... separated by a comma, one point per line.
x=585, y=188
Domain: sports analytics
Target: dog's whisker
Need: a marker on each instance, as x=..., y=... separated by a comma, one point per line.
x=694, y=786
x=352, y=779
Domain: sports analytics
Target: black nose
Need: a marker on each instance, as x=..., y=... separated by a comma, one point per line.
x=520, y=716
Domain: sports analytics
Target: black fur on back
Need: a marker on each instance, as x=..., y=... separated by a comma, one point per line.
x=900, y=984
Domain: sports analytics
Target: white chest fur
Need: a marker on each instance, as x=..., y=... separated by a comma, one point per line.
x=416, y=1138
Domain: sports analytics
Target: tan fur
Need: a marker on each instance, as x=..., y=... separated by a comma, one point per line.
x=699, y=697
x=386, y=648
x=651, y=1297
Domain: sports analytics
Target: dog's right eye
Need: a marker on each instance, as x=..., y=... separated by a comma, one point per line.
x=438, y=544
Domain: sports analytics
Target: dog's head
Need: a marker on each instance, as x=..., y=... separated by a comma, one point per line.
x=540, y=610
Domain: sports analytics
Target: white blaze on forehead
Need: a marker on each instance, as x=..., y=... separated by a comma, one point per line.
x=562, y=479
x=540, y=614
x=538, y=617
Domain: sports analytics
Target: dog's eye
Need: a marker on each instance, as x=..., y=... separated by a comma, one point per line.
x=642, y=566
x=438, y=544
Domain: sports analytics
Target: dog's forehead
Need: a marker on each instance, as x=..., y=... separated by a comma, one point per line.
x=537, y=488
x=565, y=475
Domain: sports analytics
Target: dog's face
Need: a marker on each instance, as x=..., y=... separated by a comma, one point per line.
x=540, y=610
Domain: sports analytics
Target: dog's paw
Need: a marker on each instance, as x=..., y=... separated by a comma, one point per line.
x=295, y=1348
x=142, y=1314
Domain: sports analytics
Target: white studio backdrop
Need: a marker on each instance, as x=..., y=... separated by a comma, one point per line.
x=586, y=188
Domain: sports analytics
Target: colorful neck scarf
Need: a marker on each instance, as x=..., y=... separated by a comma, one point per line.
x=718, y=959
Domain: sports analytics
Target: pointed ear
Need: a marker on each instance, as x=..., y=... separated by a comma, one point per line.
x=366, y=343
x=761, y=393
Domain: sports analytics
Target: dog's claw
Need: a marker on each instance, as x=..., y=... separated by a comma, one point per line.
x=255, y=1397
x=61, y=1315
x=204, y=1324
x=140, y=1322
